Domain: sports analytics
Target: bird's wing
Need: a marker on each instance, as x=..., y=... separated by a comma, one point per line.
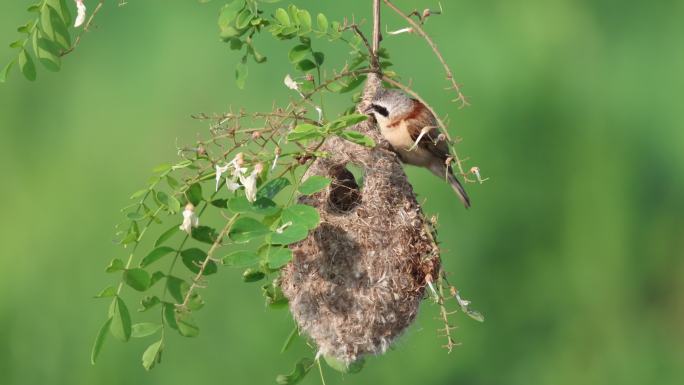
x=420, y=118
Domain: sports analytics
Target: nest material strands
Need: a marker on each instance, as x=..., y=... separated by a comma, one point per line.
x=355, y=284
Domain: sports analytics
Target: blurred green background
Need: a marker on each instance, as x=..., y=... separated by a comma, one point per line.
x=573, y=250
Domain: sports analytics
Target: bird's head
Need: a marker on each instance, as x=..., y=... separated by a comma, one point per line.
x=389, y=105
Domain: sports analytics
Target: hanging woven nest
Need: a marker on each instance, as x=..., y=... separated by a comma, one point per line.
x=355, y=284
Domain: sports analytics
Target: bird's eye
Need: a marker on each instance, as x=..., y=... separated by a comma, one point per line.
x=380, y=110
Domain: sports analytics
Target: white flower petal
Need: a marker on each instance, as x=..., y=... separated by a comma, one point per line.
x=190, y=220
x=250, y=185
x=400, y=31
x=232, y=185
x=290, y=83
x=81, y=13
x=219, y=172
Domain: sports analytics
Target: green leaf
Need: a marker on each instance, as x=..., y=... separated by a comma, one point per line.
x=48, y=53
x=282, y=17
x=194, y=194
x=169, y=202
x=227, y=16
x=155, y=255
x=186, y=324
x=26, y=65
x=291, y=234
x=300, y=214
x=345, y=121
x=241, y=72
x=245, y=229
x=156, y=276
x=229, y=34
x=169, y=310
x=195, y=302
x=204, y=234
x=172, y=182
x=166, y=235
x=62, y=10
x=137, y=278
x=304, y=20
x=278, y=257
x=221, y=203
x=134, y=216
x=99, y=341
x=182, y=164
x=144, y=329
x=121, y=320
x=139, y=193
x=353, y=84
x=322, y=23
x=313, y=184
x=275, y=298
x=304, y=132
x=261, y=206
x=319, y=57
x=161, y=168
x=340, y=366
x=357, y=137
x=272, y=188
x=298, y=373
x=243, y=18
x=152, y=355
x=176, y=288
x=253, y=275
x=241, y=258
x=109, y=291
x=5, y=71
x=148, y=302
x=115, y=265
x=194, y=258
x=305, y=65
x=55, y=28
x=298, y=53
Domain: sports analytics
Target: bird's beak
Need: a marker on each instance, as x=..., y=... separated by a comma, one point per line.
x=368, y=110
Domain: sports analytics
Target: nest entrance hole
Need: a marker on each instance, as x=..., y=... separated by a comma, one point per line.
x=346, y=187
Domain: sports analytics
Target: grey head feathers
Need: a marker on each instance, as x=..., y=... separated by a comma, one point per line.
x=391, y=104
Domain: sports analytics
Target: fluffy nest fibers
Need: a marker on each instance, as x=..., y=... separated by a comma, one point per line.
x=355, y=284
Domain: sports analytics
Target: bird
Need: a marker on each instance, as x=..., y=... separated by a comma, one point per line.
x=414, y=135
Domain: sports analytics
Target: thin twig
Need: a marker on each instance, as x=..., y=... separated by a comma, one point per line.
x=86, y=28
x=419, y=30
x=205, y=263
x=375, y=60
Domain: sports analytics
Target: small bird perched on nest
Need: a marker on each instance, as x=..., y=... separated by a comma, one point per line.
x=412, y=131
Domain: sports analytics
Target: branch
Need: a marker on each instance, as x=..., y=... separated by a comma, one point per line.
x=86, y=28
x=206, y=261
x=417, y=28
x=375, y=61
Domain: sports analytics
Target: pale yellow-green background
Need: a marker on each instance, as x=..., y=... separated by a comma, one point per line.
x=573, y=250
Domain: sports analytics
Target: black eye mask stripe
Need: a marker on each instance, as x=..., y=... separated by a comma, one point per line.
x=380, y=110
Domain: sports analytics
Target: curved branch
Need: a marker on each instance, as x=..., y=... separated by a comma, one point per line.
x=417, y=28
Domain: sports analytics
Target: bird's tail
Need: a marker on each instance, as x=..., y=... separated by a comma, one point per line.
x=458, y=188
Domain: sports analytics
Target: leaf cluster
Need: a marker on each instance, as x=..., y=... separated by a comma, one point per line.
x=44, y=39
